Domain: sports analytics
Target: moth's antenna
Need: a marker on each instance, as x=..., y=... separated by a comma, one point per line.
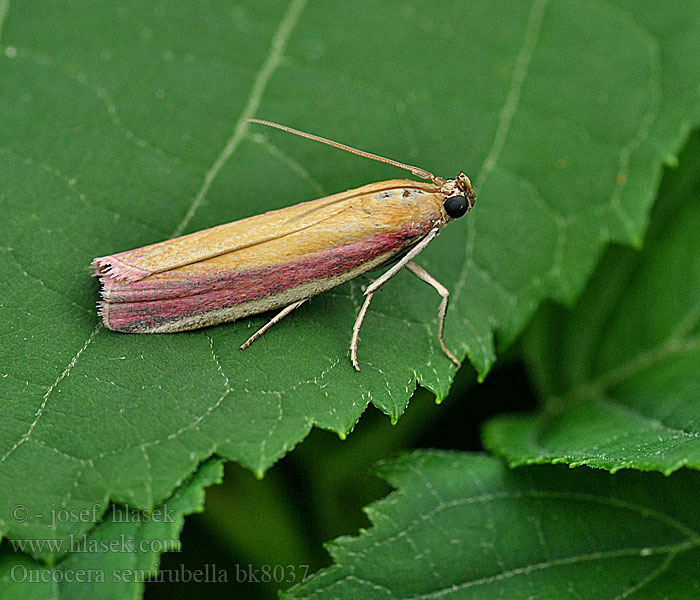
x=415, y=170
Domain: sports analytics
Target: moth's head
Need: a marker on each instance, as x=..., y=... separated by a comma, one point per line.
x=459, y=196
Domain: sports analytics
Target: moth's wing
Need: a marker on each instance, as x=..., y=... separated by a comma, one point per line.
x=344, y=239
x=160, y=257
x=275, y=236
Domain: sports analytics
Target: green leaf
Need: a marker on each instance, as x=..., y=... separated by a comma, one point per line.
x=464, y=526
x=115, y=558
x=123, y=125
x=620, y=373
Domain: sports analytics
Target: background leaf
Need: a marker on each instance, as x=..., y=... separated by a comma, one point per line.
x=122, y=125
x=620, y=373
x=464, y=526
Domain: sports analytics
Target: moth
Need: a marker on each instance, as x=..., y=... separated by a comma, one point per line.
x=280, y=259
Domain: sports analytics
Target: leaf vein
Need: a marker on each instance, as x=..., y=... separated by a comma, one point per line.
x=40, y=411
x=512, y=99
x=274, y=57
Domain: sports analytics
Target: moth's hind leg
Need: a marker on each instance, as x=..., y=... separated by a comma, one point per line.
x=278, y=317
x=422, y=274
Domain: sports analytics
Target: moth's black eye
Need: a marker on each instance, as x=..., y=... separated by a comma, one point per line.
x=456, y=206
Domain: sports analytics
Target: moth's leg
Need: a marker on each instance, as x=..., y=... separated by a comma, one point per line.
x=278, y=317
x=421, y=273
x=356, y=330
x=379, y=282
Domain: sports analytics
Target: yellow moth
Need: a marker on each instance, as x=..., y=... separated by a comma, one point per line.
x=280, y=259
